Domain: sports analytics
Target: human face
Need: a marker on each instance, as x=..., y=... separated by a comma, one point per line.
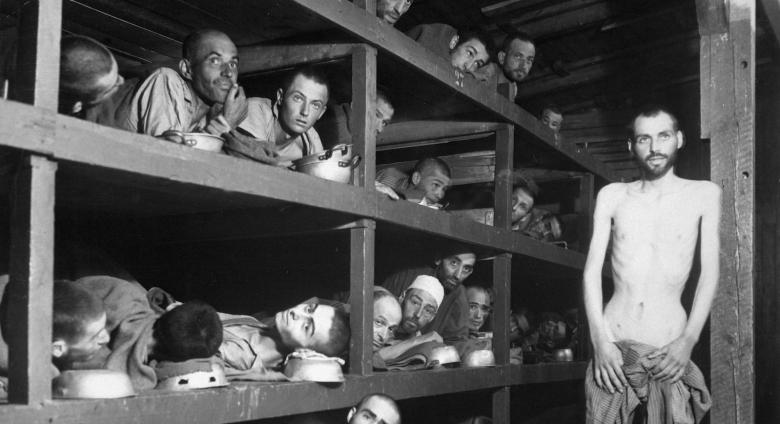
x=387, y=316
x=655, y=144
x=517, y=61
x=391, y=11
x=522, y=202
x=214, y=69
x=374, y=410
x=453, y=270
x=479, y=307
x=305, y=326
x=302, y=104
x=384, y=113
x=93, y=337
x=433, y=183
x=419, y=309
x=469, y=56
x=552, y=120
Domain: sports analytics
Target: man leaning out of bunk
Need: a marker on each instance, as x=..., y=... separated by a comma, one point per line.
x=279, y=131
x=255, y=349
x=201, y=96
x=427, y=185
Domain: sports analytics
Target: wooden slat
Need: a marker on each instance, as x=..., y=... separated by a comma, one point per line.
x=727, y=110
x=38, y=53
x=409, y=131
x=362, y=251
x=353, y=19
x=31, y=282
x=268, y=57
x=501, y=406
x=252, y=401
x=363, y=114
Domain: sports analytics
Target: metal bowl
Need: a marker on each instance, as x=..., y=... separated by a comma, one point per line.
x=479, y=358
x=444, y=355
x=563, y=355
x=195, y=380
x=92, y=384
x=202, y=141
x=335, y=164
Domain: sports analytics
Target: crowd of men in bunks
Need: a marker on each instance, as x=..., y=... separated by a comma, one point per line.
x=102, y=321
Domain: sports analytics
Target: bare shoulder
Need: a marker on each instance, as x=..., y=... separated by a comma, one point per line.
x=612, y=192
x=702, y=190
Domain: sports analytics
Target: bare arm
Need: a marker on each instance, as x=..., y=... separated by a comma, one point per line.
x=677, y=354
x=391, y=352
x=607, y=359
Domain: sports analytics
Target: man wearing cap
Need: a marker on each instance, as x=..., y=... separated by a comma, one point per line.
x=451, y=267
x=419, y=305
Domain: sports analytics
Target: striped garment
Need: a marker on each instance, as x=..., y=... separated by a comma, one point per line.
x=686, y=401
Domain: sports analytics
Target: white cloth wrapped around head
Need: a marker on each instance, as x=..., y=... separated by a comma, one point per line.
x=430, y=285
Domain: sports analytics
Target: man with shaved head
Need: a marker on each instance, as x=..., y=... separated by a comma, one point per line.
x=202, y=96
x=376, y=408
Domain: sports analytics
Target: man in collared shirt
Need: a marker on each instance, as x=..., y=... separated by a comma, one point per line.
x=201, y=97
x=284, y=128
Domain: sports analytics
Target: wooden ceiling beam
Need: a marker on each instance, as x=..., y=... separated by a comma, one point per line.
x=506, y=6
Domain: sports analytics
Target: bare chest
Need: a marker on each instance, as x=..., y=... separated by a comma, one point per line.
x=658, y=220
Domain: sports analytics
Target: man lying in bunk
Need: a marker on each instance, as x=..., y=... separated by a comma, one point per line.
x=552, y=117
x=468, y=53
x=390, y=11
x=375, y=408
x=201, y=96
x=255, y=349
x=387, y=317
x=452, y=266
x=90, y=84
x=515, y=59
x=480, y=302
x=420, y=301
x=426, y=186
x=104, y=322
x=334, y=128
x=539, y=224
x=282, y=130
x=643, y=337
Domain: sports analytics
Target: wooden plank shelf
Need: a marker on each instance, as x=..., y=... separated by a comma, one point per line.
x=150, y=177
x=245, y=401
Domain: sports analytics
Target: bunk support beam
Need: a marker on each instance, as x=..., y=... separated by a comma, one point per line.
x=502, y=264
x=30, y=288
x=363, y=115
x=38, y=53
x=727, y=29
x=361, y=294
x=269, y=57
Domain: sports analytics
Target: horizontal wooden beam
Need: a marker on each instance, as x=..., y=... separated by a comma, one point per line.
x=596, y=119
x=505, y=6
x=252, y=401
x=391, y=41
x=268, y=57
x=411, y=131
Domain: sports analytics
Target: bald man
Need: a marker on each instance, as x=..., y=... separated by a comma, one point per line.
x=201, y=96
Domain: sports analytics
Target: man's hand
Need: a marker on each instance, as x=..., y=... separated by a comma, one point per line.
x=608, y=367
x=235, y=108
x=676, y=356
x=384, y=188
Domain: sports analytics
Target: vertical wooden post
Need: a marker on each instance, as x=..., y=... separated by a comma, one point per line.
x=727, y=29
x=30, y=286
x=361, y=297
x=502, y=264
x=38, y=57
x=364, y=113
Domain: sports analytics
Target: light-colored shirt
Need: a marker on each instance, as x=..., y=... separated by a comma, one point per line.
x=260, y=122
x=165, y=101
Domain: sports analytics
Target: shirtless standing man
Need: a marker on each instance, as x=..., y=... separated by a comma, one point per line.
x=654, y=223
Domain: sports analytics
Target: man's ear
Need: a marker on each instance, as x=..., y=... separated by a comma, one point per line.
x=454, y=41
x=351, y=413
x=59, y=348
x=628, y=144
x=77, y=107
x=501, y=58
x=680, y=139
x=185, y=69
x=279, y=96
x=416, y=178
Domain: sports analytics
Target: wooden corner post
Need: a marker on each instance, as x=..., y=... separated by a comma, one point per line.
x=727, y=29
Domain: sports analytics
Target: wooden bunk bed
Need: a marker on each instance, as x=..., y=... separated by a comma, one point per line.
x=76, y=163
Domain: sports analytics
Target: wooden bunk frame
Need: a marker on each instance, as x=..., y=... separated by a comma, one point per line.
x=55, y=144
